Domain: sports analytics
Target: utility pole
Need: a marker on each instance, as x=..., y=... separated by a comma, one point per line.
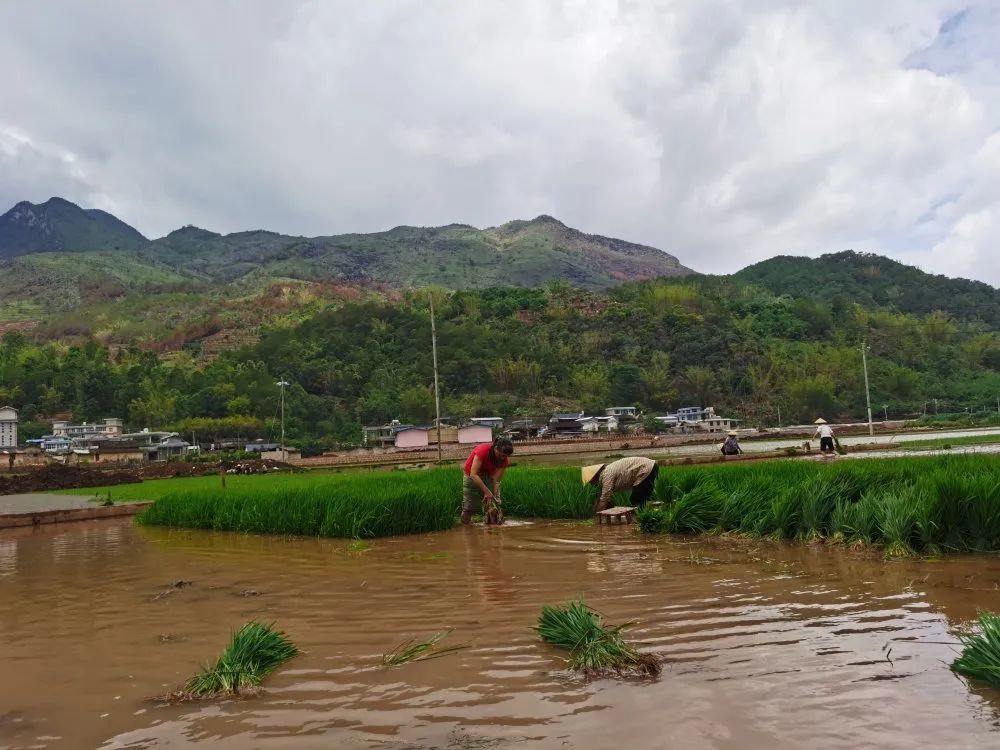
x=437, y=392
x=282, y=384
x=868, y=397
x=779, y=416
x=885, y=410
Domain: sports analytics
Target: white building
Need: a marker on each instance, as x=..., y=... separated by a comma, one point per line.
x=599, y=424
x=622, y=412
x=8, y=427
x=109, y=428
x=698, y=418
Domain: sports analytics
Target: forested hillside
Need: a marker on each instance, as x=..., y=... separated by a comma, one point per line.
x=658, y=344
x=875, y=282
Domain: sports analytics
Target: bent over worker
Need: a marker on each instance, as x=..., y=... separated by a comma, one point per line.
x=483, y=470
x=635, y=473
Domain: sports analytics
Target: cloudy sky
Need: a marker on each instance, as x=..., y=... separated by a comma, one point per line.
x=723, y=131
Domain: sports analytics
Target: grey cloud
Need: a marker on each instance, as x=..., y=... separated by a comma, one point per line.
x=724, y=132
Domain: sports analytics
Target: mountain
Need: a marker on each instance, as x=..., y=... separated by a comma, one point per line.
x=521, y=253
x=58, y=225
x=457, y=256
x=874, y=281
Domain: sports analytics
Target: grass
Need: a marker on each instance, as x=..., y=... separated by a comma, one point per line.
x=414, y=650
x=594, y=649
x=980, y=657
x=254, y=651
x=926, y=504
x=950, y=442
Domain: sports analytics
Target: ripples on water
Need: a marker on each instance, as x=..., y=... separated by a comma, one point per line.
x=765, y=645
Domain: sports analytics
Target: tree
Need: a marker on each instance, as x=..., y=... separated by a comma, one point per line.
x=417, y=403
x=699, y=383
x=626, y=384
x=812, y=397
x=657, y=389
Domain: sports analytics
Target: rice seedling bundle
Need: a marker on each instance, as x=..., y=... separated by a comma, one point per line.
x=980, y=657
x=651, y=520
x=697, y=511
x=898, y=521
x=254, y=651
x=414, y=650
x=594, y=648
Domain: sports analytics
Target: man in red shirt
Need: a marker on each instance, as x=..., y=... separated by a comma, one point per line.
x=483, y=469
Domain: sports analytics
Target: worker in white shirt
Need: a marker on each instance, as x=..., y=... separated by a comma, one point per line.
x=825, y=434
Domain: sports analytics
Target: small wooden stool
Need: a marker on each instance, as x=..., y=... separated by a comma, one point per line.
x=619, y=514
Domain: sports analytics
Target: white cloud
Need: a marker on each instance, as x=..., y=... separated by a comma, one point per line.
x=724, y=132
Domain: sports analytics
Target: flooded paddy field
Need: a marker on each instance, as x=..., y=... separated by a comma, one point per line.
x=765, y=645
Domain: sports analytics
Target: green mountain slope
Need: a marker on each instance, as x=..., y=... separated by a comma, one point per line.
x=521, y=253
x=58, y=224
x=51, y=282
x=875, y=281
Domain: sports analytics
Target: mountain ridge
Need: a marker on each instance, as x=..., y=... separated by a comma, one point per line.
x=60, y=225
x=517, y=253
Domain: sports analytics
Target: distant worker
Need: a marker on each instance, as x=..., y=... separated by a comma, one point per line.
x=635, y=473
x=483, y=470
x=731, y=445
x=825, y=434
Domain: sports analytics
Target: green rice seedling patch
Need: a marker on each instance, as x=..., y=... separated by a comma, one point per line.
x=980, y=657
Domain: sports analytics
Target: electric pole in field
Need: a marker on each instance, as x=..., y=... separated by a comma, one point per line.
x=868, y=397
x=434, y=357
x=282, y=384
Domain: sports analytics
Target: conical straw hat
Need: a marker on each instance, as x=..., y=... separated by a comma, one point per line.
x=732, y=433
x=589, y=472
x=820, y=421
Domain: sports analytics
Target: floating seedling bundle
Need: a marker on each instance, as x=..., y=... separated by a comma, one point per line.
x=594, y=648
x=254, y=651
x=414, y=650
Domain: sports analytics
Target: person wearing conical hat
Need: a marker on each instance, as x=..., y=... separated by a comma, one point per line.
x=731, y=445
x=635, y=473
x=825, y=434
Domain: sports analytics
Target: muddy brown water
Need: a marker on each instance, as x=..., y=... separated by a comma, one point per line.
x=766, y=645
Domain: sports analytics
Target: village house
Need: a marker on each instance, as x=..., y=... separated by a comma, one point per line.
x=622, y=413
x=494, y=423
x=698, y=418
x=380, y=436
x=109, y=428
x=474, y=434
x=408, y=436
x=522, y=429
x=564, y=424
x=8, y=427
x=171, y=447
x=599, y=424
